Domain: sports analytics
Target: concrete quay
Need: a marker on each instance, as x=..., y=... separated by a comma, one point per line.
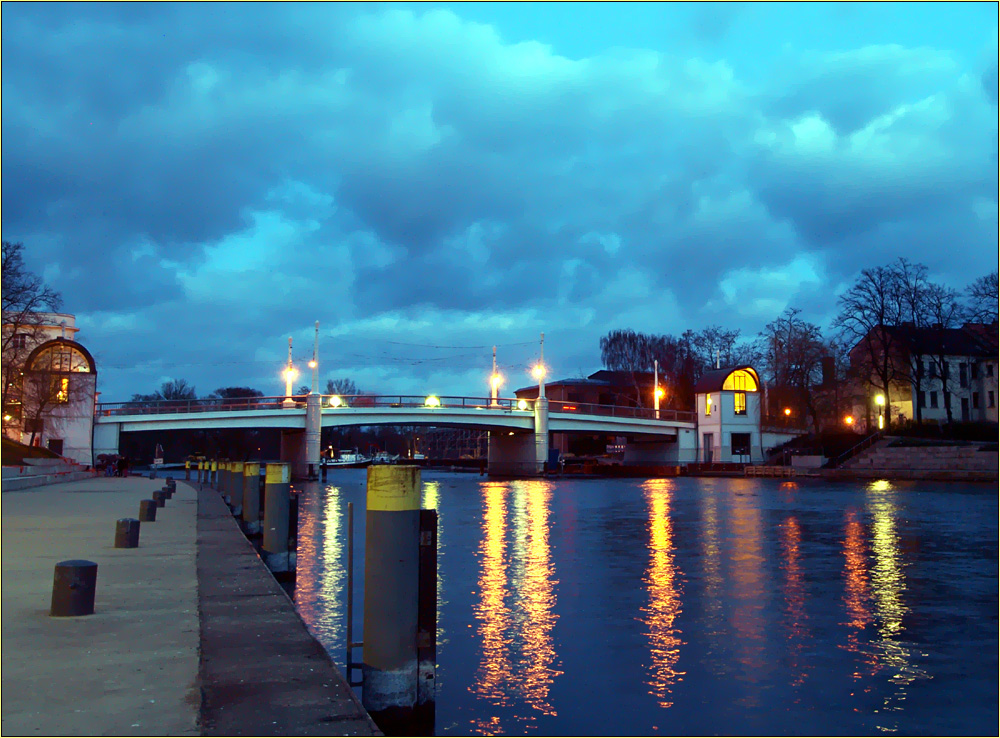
x=191, y=635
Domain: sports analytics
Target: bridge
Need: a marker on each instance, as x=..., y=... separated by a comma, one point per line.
x=519, y=428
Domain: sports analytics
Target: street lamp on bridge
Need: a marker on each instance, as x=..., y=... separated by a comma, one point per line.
x=290, y=374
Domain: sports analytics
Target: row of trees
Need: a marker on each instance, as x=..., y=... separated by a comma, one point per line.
x=879, y=318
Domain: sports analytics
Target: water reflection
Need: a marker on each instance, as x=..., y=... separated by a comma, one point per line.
x=321, y=575
x=712, y=580
x=794, y=592
x=664, y=585
x=888, y=586
x=516, y=599
x=749, y=587
x=430, y=499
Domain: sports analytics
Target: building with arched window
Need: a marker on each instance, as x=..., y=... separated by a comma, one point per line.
x=50, y=386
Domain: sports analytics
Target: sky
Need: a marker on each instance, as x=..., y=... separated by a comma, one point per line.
x=203, y=181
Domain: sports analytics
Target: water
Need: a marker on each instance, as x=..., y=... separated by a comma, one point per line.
x=691, y=606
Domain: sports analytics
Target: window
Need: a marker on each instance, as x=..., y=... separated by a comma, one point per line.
x=974, y=369
x=945, y=370
x=740, y=444
x=740, y=403
x=989, y=396
x=59, y=389
x=947, y=399
x=963, y=375
x=975, y=400
x=20, y=341
x=934, y=399
x=708, y=404
x=933, y=369
x=922, y=399
x=989, y=370
x=741, y=381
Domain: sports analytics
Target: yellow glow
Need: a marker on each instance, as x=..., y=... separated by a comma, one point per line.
x=660, y=392
x=881, y=422
x=7, y=417
x=740, y=403
x=495, y=381
x=291, y=373
x=849, y=420
x=663, y=582
x=494, y=673
x=522, y=404
x=335, y=401
x=742, y=380
x=538, y=371
x=432, y=401
x=708, y=404
x=880, y=400
x=794, y=591
x=312, y=363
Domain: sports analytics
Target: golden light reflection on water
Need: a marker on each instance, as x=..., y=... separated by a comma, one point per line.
x=857, y=600
x=430, y=499
x=320, y=562
x=794, y=592
x=888, y=586
x=748, y=580
x=664, y=584
x=516, y=599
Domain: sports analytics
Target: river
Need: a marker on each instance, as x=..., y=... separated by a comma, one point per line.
x=691, y=606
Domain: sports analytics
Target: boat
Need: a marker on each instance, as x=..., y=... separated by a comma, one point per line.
x=349, y=459
x=384, y=457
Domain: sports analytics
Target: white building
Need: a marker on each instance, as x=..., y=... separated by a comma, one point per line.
x=49, y=402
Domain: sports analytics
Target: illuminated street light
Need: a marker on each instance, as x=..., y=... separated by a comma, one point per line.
x=432, y=401
x=788, y=411
x=335, y=401
x=880, y=400
x=522, y=404
x=312, y=363
x=849, y=420
x=538, y=372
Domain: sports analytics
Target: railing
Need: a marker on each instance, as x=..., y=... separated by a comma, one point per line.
x=331, y=403
x=856, y=449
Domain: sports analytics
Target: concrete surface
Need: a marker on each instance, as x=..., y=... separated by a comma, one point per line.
x=131, y=668
x=262, y=672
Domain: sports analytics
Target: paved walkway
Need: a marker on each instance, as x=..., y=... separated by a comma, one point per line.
x=132, y=667
x=190, y=635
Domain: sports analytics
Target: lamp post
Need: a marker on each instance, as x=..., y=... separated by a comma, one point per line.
x=880, y=401
x=495, y=380
x=314, y=364
x=290, y=375
x=539, y=371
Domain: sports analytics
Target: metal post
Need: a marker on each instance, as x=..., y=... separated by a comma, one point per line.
x=73, y=588
x=236, y=487
x=351, y=645
x=392, y=526
x=251, y=497
x=147, y=511
x=127, y=533
x=426, y=624
x=276, y=497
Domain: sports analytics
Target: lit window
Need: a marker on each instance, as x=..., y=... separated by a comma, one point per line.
x=740, y=380
x=740, y=403
x=708, y=404
x=60, y=389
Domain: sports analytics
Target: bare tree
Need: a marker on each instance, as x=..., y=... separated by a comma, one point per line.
x=981, y=296
x=945, y=311
x=793, y=352
x=870, y=310
x=913, y=290
x=342, y=386
x=24, y=297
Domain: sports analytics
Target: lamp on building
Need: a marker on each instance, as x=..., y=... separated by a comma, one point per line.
x=880, y=401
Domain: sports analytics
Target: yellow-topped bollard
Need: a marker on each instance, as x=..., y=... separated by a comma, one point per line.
x=277, y=488
x=187, y=470
x=236, y=487
x=213, y=472
x=251, y=497
x=392, y=538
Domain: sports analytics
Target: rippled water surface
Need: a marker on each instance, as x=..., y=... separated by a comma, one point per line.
x=691, y=606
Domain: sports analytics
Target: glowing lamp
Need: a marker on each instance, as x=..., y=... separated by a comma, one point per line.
x=881, y=422
x=432, y=401
x=538, y=372
x=291, y=373
x=522, y=404
x=495, y=381
x=849, y=420
x=312, y=363
x=788, y=411
x=7, y=417
x=879, y=400
x=660, y=392
x=335, y=401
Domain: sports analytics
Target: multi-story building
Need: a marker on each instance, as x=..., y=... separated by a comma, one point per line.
x=49, y=385
x=942, y=371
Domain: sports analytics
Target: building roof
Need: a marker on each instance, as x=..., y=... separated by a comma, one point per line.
x=713, y=379
x=972, y=339
x=570, y=382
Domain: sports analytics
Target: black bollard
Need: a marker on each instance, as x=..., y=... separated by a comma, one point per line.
x=147, y=511
x=159, y=498
x=168, y=492
x=73, y=588
x=127, y=533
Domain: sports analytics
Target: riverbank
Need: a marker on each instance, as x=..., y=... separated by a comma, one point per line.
x=191, y=635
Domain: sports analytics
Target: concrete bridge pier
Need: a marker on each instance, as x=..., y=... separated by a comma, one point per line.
x=314, y=424
x=541, y=434
x=681, y=449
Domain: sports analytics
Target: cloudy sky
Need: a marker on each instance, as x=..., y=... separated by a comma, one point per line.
x=201, y=181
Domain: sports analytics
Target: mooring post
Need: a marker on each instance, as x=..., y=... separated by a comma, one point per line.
x=168, y=492
x=426, y=624
x=277, y=478
x=392, y=527
x=236, y=487
x=147, y=511
x=224, y=479
x=213, y=473
x=251, y=497
x=127, y=533
x=73, y=588
x=160, y=498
